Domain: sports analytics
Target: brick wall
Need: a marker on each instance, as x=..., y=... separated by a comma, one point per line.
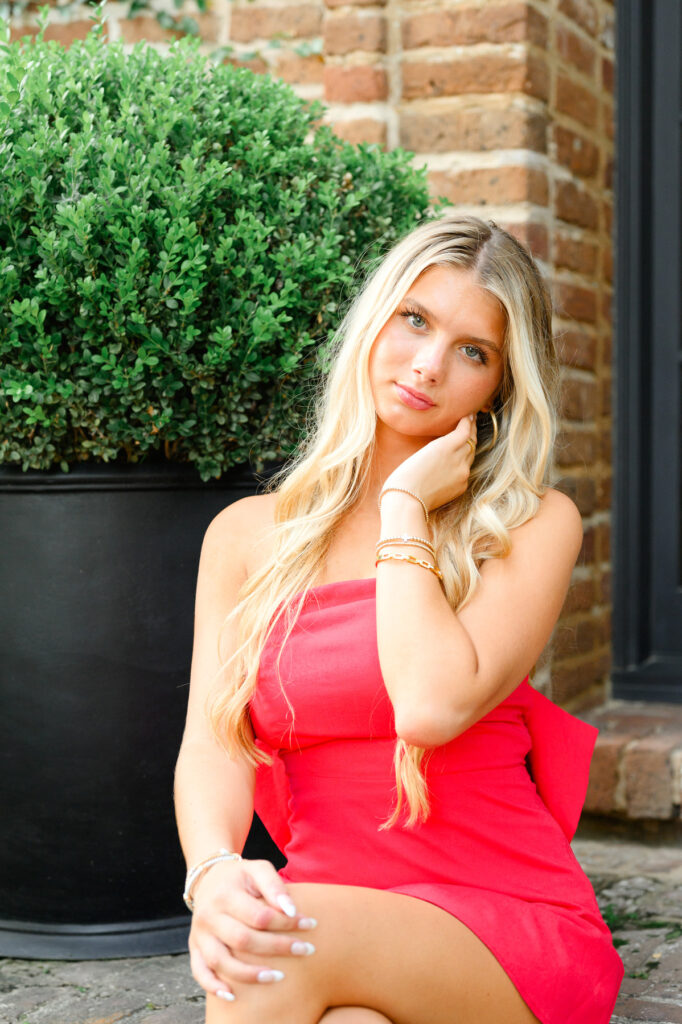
x=510, y=105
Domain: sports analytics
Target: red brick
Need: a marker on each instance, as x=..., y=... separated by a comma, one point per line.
x=605, y=385
x=606, y=304
x=466, y=26
x=603, y=542
x=576, y=206
x=64, y=34
x=586, y=555
x=607, y=216
x=580, y=597
x=251, y=22
x=355, y=3
x=576, y=446
x=575, y=302
x=582, y=12
x=576, y=101
x=532, y=235
x=568, y=681
x=441, y=130
x=582, y=637
x=604, y=587
x=575, y=152
x=255, y=63
x=607, y=74
x=347, y=33
x=361, y=129
x=575, y=254
x=360, y=84
x=575, y=50
x=301, y=70
x=582, y=490
x=479, y=73
x=604, y=491
x=577, y=349
x=485, y=185
x=608, y=119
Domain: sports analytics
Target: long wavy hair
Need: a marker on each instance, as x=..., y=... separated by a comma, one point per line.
x=325, y=478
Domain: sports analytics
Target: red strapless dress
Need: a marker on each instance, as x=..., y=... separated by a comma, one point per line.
x=506, y=796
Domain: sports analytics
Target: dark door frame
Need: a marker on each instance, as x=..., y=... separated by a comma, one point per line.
x=647, y=613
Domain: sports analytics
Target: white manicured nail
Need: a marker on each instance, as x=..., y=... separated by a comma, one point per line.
x=306, y=923
x=302, y=948
x=287, y=905
x=270, y=975
x=224, y=994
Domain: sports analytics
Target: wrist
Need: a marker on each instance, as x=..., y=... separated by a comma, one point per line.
x=401, y=513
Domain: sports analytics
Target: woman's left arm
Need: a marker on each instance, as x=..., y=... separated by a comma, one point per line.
x=443, y=671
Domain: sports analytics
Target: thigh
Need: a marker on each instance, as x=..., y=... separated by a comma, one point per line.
x=398, y=955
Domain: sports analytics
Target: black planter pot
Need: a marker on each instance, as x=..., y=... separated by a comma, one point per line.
x=98, y=576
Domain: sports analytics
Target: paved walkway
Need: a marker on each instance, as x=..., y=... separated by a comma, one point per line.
x=639, y=889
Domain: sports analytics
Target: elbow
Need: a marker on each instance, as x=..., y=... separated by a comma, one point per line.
x=427, y=727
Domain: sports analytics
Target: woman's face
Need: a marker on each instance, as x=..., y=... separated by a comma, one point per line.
x=445, y=342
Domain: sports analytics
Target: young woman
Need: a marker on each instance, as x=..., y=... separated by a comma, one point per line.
x=363, y=637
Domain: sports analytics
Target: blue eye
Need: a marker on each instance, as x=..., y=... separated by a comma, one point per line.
x=410, y=313
x=479, y=354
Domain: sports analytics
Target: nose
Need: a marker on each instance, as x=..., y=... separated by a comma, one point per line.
x=429, y=359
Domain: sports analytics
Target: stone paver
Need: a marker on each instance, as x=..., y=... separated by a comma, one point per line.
x=639, y=889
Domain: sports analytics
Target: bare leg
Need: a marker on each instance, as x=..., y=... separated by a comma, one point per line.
x=353, y=1015
x=402, y=957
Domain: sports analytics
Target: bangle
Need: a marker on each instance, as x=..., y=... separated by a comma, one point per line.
x=198, y=869
x=405, y=491
x=410, y=558
x=417, y=542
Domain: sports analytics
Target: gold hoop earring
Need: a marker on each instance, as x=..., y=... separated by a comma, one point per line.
x=493, y=418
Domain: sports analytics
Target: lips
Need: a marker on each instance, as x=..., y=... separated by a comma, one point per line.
x=414, y=399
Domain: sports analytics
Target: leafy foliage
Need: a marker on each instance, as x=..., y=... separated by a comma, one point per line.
x=177, y=239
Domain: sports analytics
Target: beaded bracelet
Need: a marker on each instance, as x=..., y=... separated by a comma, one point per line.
x=199, y=869
x=410, y=558
x=417, y=542
x=405, y=491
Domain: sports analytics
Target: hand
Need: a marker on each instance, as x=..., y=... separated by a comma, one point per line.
x=439, y=472
x=239, y=907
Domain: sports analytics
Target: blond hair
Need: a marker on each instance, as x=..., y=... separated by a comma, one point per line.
x=327, y=475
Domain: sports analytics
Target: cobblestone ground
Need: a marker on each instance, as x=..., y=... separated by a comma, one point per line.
x=639, y=889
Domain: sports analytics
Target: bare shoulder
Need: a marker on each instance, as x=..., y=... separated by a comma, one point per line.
x=240, y=530
x=557, y=524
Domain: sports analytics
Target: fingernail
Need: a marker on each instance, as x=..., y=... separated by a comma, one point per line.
x=302, y=948
x=224, y=994
x=270, y=975
x=306, y=923
x=287, y=905
x=471, y=416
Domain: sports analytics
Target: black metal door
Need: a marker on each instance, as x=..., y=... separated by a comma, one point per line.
x=648, y=493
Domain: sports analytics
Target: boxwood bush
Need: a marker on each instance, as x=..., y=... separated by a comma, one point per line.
x=178, y=239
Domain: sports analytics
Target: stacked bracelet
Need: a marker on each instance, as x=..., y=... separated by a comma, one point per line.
x=415, y=542
x=410, y=558
x=198, y=869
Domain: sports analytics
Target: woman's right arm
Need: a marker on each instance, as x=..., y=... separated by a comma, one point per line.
x=240, y=906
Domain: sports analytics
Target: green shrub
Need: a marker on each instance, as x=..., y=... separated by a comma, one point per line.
x=177, y=241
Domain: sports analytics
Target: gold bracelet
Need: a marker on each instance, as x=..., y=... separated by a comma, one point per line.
x=414, y=561
x=415, y=542
x=405, y=491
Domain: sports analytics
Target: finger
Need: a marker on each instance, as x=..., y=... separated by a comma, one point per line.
x=272, y=888
x=254, y=912
x=207, y=979
x=227, y=967
x=241, y=939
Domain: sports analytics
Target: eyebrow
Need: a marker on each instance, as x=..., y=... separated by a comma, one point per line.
x=430, y=316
